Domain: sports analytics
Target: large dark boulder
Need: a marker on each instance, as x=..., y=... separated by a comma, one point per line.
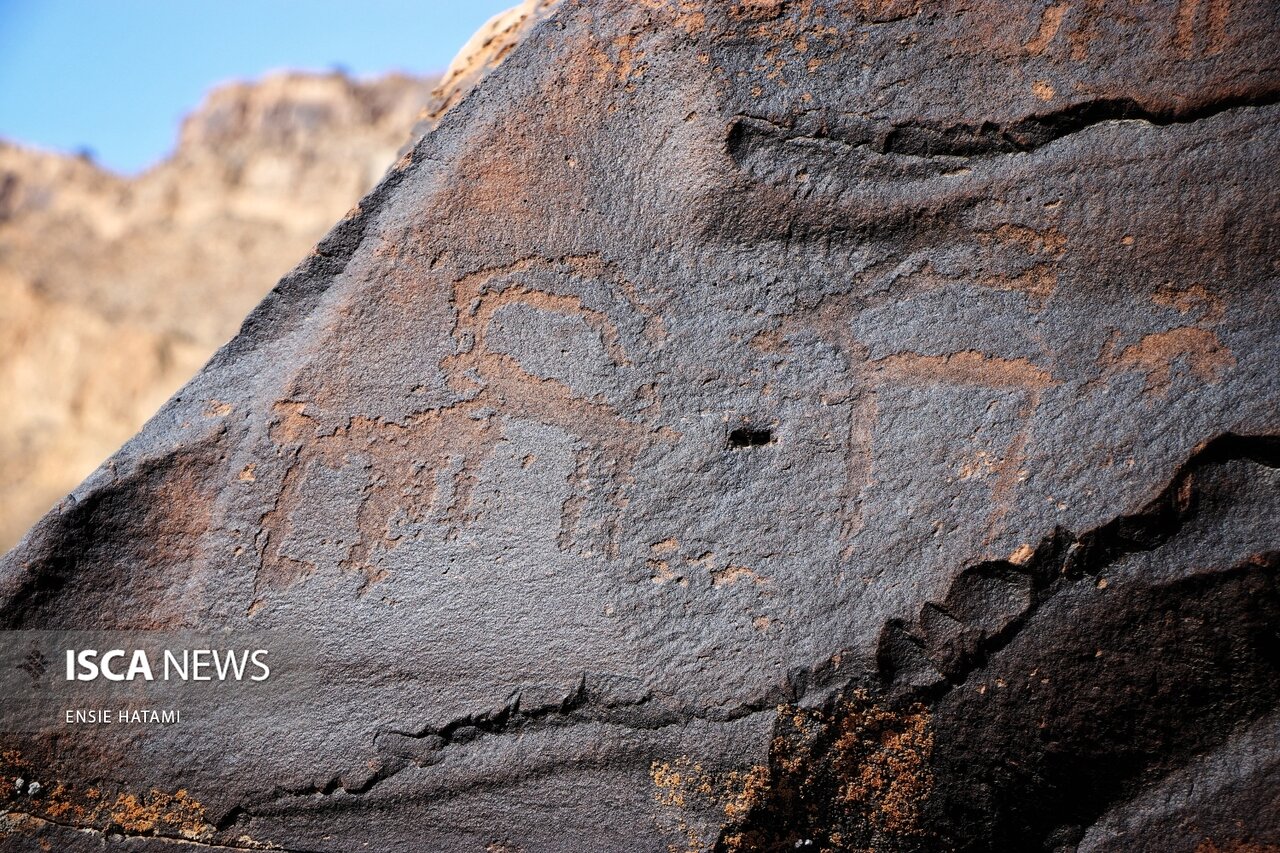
x=764, y=426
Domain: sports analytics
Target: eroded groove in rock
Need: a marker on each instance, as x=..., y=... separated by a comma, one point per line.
x=963, y=141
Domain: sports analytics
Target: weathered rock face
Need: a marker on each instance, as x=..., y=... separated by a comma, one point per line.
x=736, y=427
x=117, y=290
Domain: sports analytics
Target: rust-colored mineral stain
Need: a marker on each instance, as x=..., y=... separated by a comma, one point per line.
x=964, y=368
x=1203, y=351
x=1022, y=555
x=1050, y=22
x=732, y=574
x=1200, y=27
x=1194, y=299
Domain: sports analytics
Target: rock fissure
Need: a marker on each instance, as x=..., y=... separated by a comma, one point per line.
x=986, y=139
x=106, y=835
x=1059, y=560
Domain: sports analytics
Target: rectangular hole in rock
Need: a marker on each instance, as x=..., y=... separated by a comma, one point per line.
x=750, y=437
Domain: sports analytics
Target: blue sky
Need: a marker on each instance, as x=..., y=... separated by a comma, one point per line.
x=116, y=76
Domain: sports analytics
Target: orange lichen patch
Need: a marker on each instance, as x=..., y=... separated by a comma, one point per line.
x=158, y=813
x=732, y=574
x=1043, y=90
x=885, y=758
x=964, y=368
x=23, y=824
x=1204, y=354
x=688, y=797
x=246, y=473
x=674, y=779
x=675, y=784
x=12, y=764
x=743, y=791
x=1050, y=23
x=853, y=778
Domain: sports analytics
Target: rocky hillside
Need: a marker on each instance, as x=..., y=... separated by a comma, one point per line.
x=117, y=289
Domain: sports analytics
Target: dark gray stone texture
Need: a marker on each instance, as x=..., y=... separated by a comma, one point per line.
x=736, y=425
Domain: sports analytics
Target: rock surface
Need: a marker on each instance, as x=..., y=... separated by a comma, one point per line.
x=763, y=426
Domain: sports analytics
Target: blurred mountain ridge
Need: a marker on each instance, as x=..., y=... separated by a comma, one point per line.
x=118, y=289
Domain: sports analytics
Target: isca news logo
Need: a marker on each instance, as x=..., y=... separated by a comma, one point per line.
x=170, y=665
